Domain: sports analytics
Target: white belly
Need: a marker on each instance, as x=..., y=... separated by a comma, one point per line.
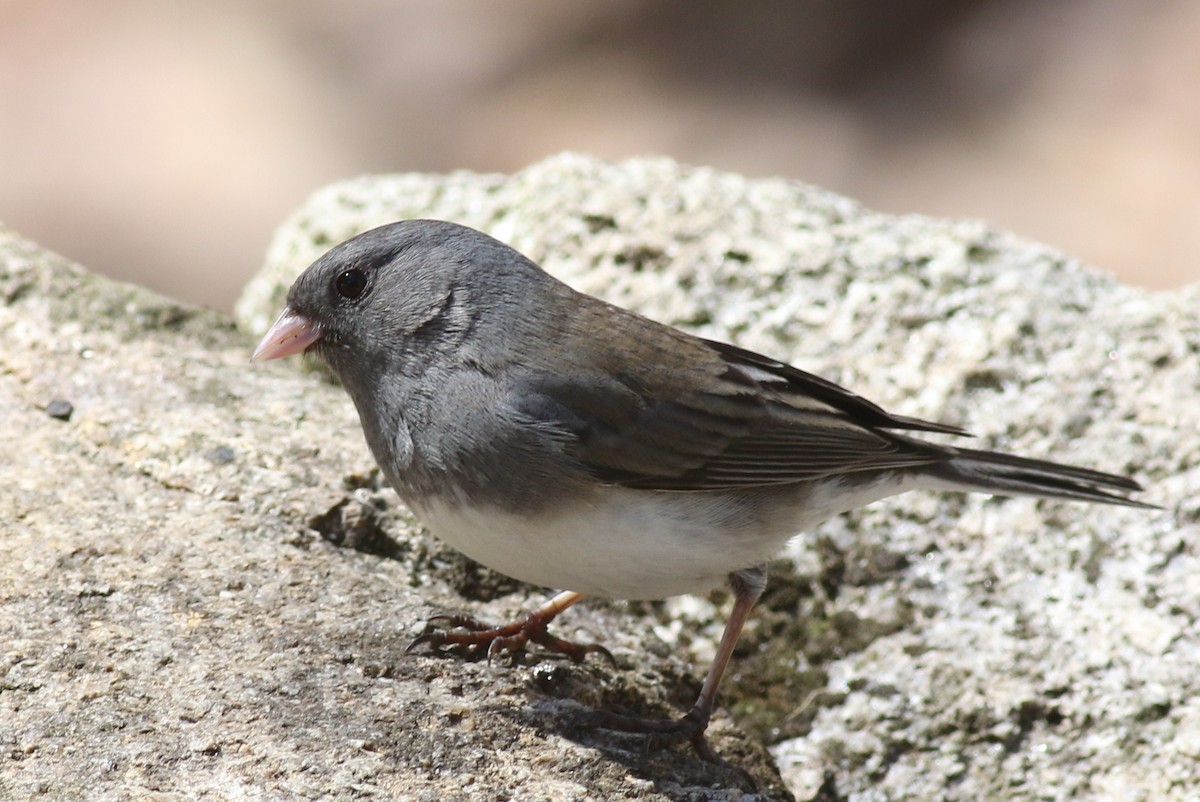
x=639, y=544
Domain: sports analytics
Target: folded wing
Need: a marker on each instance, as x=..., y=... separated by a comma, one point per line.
x=756, y=422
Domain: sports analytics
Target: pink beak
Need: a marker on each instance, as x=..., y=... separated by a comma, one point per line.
x=291, y=334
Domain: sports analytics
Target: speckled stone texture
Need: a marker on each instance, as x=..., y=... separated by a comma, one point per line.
x=205, y=594
x=993, y=649
x=175, y=623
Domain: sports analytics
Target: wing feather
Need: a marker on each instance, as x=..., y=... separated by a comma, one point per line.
x=756, y=422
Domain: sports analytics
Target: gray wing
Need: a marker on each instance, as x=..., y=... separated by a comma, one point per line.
x=757, y=422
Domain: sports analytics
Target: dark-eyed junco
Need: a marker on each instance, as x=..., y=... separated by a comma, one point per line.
x=573, y=444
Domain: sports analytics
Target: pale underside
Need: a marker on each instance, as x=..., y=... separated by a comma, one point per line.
x=639, y=544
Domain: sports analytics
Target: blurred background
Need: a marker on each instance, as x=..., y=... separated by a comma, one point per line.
x=162, y=141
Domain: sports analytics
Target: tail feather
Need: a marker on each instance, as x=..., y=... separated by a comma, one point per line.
x=1006, y=474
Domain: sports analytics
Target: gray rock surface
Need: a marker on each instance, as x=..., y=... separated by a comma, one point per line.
x=176, y=621
x=173, y=622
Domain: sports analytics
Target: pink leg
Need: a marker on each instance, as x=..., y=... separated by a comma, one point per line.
x=747, y=588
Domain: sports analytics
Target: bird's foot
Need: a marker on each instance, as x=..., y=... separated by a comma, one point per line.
x=465, y=634
x=661, y=733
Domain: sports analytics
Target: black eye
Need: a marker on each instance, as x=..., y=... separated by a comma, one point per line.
x=350, y=283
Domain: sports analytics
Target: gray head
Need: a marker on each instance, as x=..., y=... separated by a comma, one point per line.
x=399, y=297
x=421, y=320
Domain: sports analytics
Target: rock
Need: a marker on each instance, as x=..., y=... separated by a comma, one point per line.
x=173, y=625
x=176, y=622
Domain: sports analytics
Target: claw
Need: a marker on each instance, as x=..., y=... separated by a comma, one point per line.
x=473, y=637
x=661, y=733
x=423, y=638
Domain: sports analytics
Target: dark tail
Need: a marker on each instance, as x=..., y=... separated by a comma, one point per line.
x=1007, y=475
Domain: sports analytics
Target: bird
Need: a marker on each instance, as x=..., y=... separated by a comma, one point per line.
x=575, y=445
